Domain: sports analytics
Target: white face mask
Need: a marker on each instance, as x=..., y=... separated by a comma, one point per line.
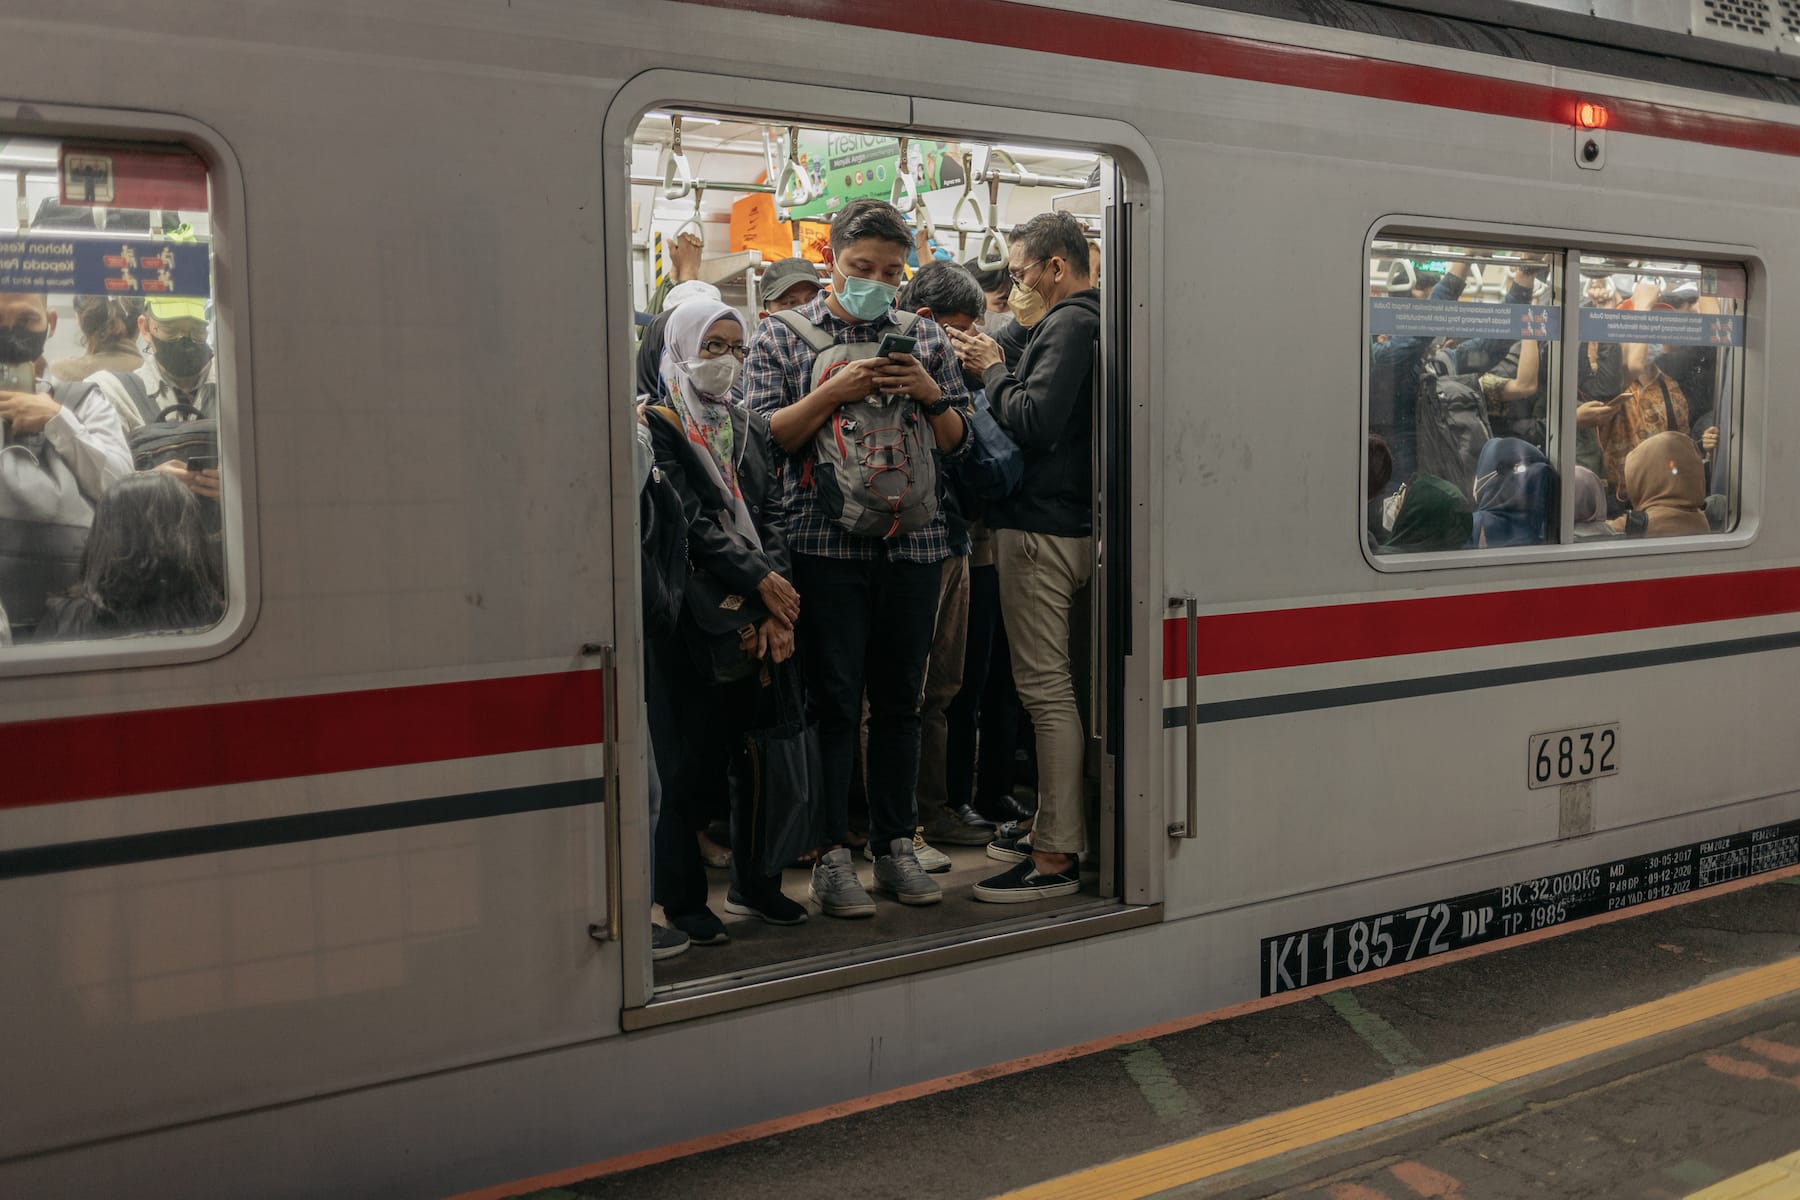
x=713, y=376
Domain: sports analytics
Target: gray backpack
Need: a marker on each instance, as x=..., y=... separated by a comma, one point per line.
x=873, y=468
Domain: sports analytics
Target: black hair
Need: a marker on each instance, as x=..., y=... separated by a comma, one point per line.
x=869, y=218
x=992, y=282
x=1381, y=465
x=946, y=289
x=149, y=564
x=98, y=315
x=1054, y=234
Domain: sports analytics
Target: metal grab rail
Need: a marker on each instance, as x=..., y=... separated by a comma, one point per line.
x=903, y=195
x=1190, y=827
x=795, y=187
x=692, y=224
x=992, y=255
x=678, y=177
x=711, y=185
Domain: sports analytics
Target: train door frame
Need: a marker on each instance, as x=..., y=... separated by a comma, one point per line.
x=1133, y=787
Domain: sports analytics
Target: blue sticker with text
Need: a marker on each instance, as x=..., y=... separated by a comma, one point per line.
x=91, y=266
x=1662, y=326
x=1403, y=316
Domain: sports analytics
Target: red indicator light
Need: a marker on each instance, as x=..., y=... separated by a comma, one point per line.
x=1589, y=115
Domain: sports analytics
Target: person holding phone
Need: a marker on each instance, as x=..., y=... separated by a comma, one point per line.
x=871, y=602
x=178, y=371
x=71, y=451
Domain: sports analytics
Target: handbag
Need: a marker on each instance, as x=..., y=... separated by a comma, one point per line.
x=776, y=784
x=719, y=627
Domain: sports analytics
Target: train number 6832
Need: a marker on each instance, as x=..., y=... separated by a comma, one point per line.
x=1571, y=755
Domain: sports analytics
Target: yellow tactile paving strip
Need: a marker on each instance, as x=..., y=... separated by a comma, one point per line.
x=1778, y=1180
x=1298, y=1128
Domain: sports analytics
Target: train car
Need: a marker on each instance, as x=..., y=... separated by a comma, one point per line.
x=344, y=889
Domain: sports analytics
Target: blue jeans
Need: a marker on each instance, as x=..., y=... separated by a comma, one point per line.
x=866, y=627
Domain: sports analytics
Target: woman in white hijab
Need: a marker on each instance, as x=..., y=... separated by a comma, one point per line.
x=718, y=455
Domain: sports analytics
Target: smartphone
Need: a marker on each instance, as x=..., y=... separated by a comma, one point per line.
x=203, y=462
x=895, y=343
x=17, y=377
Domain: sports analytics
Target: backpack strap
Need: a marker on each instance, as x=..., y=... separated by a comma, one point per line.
x=1662, y=381
x=133, y=383
x=809, y=333
x=905, y=320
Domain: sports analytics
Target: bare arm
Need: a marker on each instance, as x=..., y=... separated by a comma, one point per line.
x=1524, y=385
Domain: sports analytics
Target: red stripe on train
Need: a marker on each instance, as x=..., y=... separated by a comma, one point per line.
x=128, y=754
x=1297, y=637
x=1143, y=43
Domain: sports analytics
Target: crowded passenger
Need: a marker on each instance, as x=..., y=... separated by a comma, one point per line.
x=63, y=448
x=1665, y=481
x=1395, y=365
x=789, y=283
x=177, y=379
x=1428, y=514
x=1044, y=545
x=1589, y=502
x=709, y=678
x=109, y=326
x=149, y=566
x=871, y=588
x=946, y=293
x=1514, y=488
x=650, y=349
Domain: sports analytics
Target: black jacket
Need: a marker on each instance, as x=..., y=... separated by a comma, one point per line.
x=1047, y=404
x=713, y=545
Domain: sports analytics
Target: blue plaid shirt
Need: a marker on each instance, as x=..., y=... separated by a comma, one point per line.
x=778, y=372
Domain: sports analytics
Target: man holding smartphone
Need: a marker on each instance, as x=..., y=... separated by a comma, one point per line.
x=178, y=369
x=77, y=451
x=870, y=603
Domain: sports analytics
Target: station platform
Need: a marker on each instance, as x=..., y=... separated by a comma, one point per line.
x=1656, y=1055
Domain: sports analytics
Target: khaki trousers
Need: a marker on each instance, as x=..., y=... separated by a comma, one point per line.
x=1039, y=577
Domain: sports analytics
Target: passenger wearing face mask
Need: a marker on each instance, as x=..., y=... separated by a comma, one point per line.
x=997, y=322
x=1044, y=543
x=717, y=456
x=871, y=602
x=61, y=448
x=178, y=369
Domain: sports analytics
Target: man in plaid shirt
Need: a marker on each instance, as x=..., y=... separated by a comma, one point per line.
x=868, y=604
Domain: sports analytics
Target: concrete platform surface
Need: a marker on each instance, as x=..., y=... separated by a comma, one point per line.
x=1659, y=1117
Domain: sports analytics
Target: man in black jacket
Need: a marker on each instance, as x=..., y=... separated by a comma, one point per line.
x=1044, y=543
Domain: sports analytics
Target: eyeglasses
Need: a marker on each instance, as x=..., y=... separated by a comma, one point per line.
x=713, y=347
x=1017, y=277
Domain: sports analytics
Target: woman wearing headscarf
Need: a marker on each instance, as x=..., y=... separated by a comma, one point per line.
x=1589, y=498
x=1666, y=481
x=1431, y=515
x=1514, y=484
x=717, y=455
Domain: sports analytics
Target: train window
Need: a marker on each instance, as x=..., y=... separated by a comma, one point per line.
x=1659, y=364
x=112, y=526
x=1461, y=396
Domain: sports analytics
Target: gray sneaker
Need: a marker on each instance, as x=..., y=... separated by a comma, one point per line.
x=835, y=888
x=898, y=873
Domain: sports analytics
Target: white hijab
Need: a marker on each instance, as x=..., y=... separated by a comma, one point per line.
x=706, y=420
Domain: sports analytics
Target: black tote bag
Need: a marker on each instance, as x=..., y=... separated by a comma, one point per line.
x=777, y=784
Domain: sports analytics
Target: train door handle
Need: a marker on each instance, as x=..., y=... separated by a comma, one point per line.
x=1189, y=828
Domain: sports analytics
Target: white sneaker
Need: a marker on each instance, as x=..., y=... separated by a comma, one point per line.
x=931, y=860
x=897, y=873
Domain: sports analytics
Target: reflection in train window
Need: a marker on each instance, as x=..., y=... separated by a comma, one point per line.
x=1461, y=391
x=110, y=473
x=1659, y=359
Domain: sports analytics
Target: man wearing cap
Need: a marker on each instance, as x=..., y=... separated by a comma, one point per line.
x=178, y=370
x=75, y=450
x=788, y=283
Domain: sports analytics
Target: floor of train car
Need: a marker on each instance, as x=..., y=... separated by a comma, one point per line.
x=754, y=945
